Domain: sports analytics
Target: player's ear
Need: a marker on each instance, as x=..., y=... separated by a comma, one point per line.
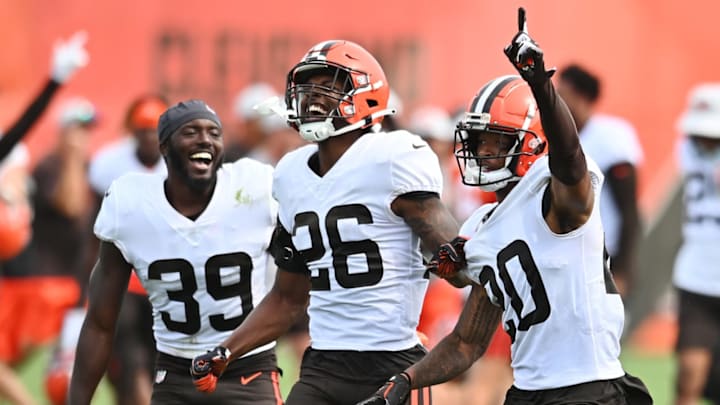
x=164, y=148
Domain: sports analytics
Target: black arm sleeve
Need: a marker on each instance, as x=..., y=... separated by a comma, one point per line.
x=283, y=251
x=621, y=180
x=28, y=118
x=567, y=161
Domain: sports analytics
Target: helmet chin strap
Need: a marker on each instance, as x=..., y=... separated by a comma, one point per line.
x=493, y=180
x=322, y=130
x=493, y=187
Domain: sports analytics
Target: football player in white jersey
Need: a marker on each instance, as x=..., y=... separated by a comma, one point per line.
x=198, y=240
x=696, y=274
x=613, y=144
x=535, y=258
x=355, y=208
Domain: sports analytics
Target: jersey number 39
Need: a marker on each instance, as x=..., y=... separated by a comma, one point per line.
x=215, y=288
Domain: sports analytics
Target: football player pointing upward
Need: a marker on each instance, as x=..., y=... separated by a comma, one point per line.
x=354, y=209
x=198, y=241
x=535, y=258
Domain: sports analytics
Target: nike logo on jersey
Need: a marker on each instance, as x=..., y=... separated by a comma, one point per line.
x=419, y=146
x=247, y=380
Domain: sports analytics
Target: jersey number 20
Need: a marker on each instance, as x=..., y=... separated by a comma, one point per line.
x=520, y=250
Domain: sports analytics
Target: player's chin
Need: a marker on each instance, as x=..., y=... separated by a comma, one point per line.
x=201, y=179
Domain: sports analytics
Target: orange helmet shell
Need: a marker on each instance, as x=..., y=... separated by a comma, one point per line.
x=509, y=109
x=370, y=90
x=506, y=105
x=145, y=113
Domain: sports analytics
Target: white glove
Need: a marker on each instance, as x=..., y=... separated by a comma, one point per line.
x=68, y=56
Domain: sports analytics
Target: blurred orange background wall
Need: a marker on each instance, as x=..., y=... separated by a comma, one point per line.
x=648, y=53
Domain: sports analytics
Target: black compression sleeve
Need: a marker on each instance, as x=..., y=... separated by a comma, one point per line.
x=567, y=162
x=28, y=118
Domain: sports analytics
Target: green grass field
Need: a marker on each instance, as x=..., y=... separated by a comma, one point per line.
x=32, y=372
x=657, y=371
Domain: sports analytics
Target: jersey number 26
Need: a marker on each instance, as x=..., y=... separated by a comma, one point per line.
x=341, y=249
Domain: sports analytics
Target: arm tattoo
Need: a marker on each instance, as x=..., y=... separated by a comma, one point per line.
x=429, y=219
x=465, y=344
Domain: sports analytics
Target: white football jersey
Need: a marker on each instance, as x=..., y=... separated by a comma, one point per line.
x=116, y=159
x=610, y=141
x=696, y=264
x=203, y=277
x=368, y=278
x=560, y=306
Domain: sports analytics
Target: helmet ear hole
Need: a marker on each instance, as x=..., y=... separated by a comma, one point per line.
x=537, y=145
x=372, y=103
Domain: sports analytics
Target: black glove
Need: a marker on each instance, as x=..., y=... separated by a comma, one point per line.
x=395, y=392
x=526, y=55
x=206, y=368
x=449, y=259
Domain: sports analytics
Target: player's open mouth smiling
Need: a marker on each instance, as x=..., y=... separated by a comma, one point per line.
x=317, y=111
x=201, y=160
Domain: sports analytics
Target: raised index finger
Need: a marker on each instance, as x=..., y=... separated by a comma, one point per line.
x=522, y=22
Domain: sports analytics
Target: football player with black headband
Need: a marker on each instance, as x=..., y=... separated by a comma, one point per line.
x=198, y=240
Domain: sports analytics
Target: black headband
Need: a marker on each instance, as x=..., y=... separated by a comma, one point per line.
x=181, y=113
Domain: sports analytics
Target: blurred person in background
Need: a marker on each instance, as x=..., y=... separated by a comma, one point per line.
x=44, y=281
x=136, y=151
x=260, y=134
x=250, y=127
x=198, y=240
x=15, y=207
x=613, y=144
x=15, y=233
x=280, y=139
x=130, y=371
x=696, y=274
x=67, y=57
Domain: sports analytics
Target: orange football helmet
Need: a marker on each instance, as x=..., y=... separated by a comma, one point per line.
x=504, y=106
x=15, y=228
x=145, y=112
x=359, y=88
